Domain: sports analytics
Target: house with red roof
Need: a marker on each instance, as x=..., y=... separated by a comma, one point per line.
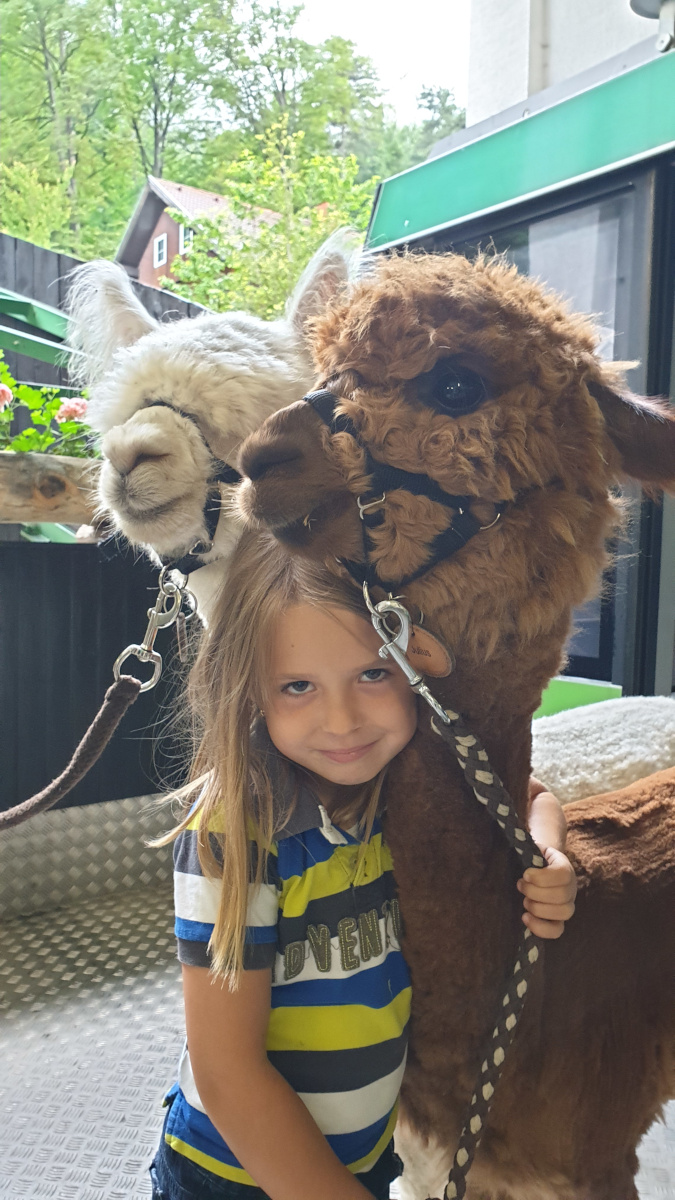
x=152, y=238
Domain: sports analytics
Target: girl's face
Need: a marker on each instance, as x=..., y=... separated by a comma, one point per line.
x=335, y=707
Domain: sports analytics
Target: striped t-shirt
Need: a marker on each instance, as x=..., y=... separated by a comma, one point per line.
x=340, y=986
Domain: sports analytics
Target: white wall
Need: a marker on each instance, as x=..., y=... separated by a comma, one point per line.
x=518, y=47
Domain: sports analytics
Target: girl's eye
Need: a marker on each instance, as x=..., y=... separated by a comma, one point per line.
x=375, y=674
x=299, y=687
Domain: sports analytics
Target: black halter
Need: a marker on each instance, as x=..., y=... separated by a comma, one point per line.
x=385, y=478
x=222, y=474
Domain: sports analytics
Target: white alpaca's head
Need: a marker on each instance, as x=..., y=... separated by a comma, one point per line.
x=228, y=371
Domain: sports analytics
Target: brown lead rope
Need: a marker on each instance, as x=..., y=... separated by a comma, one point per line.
x=491, y=793
x=118, y=698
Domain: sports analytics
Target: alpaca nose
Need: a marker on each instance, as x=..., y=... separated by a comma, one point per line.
x=288, y=439
x=279, y=453
x=124, y=462
x=125, y=453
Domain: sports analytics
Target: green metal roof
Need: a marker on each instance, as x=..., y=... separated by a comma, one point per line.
x=40, y=316
x=618, y=122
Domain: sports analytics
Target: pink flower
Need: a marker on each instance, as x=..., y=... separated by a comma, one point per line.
x=72, y=410
x=6, y=396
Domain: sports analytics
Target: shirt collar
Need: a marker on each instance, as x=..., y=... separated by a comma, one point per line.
x=292, y=819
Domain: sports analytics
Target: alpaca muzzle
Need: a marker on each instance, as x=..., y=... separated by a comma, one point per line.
x=292, y=486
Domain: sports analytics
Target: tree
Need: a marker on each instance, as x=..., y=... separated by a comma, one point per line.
x=284, y=205
x=99, y=93
x=268, y=72
x=60, y=117
x=36, y=210
x=169, y=51
x=384, y=148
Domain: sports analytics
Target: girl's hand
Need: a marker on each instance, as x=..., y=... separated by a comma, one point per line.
x=549, y=894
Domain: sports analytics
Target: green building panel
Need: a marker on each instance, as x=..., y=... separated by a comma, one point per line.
x=620, y=121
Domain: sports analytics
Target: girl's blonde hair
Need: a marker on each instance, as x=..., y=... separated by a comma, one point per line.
x=226, y=691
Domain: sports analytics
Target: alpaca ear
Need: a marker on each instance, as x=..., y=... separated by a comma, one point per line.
x=325, y=277
x=643, y=430
x=104, y=314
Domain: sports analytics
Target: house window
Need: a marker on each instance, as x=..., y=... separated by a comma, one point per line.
x=159, y=250
x=184, y=240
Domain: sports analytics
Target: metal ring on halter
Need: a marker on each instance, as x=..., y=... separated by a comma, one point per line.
x=144, y=656
x=483, y=527
x=371, y=504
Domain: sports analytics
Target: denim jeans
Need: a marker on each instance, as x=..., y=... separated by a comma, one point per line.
x=175, y=1177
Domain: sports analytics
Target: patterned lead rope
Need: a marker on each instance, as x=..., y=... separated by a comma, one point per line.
x=491, y=793
x=489, y=790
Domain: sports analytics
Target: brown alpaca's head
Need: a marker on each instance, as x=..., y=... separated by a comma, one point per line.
x=478, y=378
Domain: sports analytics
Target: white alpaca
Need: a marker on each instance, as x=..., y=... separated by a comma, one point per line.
x=228, y=371
x=603, y=747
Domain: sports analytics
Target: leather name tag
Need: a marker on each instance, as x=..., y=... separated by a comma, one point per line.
x=428, y=654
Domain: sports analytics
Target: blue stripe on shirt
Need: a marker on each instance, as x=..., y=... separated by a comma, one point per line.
x=303, y=850
x=193, y=1127
x=375, y=987
x=200, y=931
x=350, y=1147
x=192, y=931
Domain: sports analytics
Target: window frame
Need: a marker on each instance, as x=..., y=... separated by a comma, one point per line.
x=160, y=239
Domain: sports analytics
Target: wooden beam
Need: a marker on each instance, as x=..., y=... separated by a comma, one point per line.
x=47, y=487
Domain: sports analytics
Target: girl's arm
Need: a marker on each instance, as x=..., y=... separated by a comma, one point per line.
x=258, y=1114
x=549, y=891
x=546, y=817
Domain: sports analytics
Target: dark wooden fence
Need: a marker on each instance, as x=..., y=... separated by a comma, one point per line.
x=66, y=612
x=42, y=275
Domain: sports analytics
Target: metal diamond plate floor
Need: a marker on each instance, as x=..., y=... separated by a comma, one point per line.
x=91, y=1028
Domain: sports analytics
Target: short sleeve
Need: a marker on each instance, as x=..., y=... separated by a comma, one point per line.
x=197, y=899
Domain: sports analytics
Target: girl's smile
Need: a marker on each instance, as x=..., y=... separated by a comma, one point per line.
x=333, y=706
x=348, y=755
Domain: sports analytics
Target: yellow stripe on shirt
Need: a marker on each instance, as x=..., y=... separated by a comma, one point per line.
x=334, y=875
x=337, y=1026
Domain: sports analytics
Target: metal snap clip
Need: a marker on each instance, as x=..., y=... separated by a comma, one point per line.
x=371, y=504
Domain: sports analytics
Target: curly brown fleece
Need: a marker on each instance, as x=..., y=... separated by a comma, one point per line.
x=594, y=1058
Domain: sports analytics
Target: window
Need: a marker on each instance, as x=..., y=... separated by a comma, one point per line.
x=184, y=240
x=159, y=250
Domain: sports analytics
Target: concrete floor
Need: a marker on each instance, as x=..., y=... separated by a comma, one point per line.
x=91, y=1025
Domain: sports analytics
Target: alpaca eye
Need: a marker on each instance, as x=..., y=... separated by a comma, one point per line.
x=451, y=388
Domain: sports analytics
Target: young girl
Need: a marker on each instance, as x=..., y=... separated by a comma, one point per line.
x=297, y=997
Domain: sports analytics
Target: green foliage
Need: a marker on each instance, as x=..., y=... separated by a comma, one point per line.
x=324, y=90
x=31, y=208
x=170, y=50
x=47, y=433
x=99, y=93
x=384, y=148
x=61, y=120
x=284, y=205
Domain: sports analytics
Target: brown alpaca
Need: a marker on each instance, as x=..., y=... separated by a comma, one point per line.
x=518, y=412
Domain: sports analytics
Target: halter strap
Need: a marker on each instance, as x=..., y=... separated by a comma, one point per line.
x=223, y=474
x=385, y=478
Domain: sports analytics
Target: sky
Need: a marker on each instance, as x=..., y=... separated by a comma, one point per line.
x=412, y=45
